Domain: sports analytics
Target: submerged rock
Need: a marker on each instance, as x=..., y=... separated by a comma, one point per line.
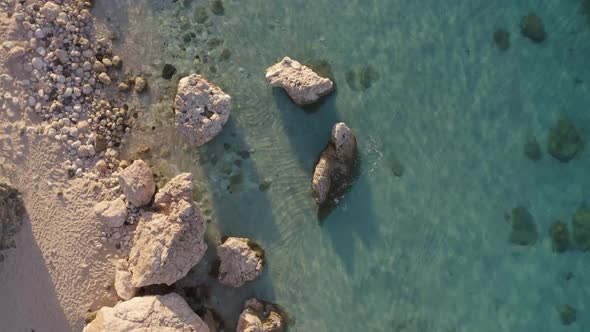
x=559, y=236
x=334, y=169
x=502, y=39
x=532, y=149
x=148, y=313
x=137, y=183
x=201, y=15
x=260, y=317
x=241, y=260
x=581, y=227
x=12, y=214
x=532, y=27
x=524, y=229
x=201, y=109
x=302, y=84
x=166, y=245
x=564, y=140
x=362, y=78
x=217, y=7
x=111, y=213
x=567, y=314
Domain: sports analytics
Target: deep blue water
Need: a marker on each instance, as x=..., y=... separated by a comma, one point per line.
x=427, y=251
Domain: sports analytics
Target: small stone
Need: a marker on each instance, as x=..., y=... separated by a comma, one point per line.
x=99, y=67
x=87, y=89
x=168, y=71
x=117, y=62
x=107, y=62
x=101, y=166
x=104, y=79
x=524, y=229
x=123, y=87
x=16, y=52
x=140, y=84
x=37, y=63
x=532, y=27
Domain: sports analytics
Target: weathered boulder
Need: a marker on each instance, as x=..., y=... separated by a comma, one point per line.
x=168, y=243
x=178, y=188
x=50, y=10
x=111, y=213
x=334, y=169
x=564, y=141
x=137, y=182
x=12, y=213
x=260, y=317
x=241, y=260
x=160, y=313
x=123, y=285
x=201, y=109
x=166, y=247
x=302, y=84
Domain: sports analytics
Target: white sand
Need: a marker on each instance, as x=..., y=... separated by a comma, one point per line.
x=59, y=268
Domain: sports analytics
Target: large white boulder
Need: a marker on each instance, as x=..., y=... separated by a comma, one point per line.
x=169, y=242
x=201, y=109
x=137, y=182
x=241, y=260
x=166, y=247
x=161, y=313
x=302, y=84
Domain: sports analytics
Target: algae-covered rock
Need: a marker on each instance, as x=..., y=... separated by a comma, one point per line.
x=524, y=229
x=567, y=314
x=559, y=236
x=532, y=27
x=12, y=213
x=532, y=149
x=502, y=39
x=581, y=227
x=564, y=140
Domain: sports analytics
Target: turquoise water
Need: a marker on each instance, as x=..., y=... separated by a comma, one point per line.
x=427, y=251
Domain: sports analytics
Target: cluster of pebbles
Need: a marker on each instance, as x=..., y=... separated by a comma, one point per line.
x=70, y=80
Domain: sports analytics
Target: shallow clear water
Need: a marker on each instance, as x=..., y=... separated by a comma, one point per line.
x=427, y=251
